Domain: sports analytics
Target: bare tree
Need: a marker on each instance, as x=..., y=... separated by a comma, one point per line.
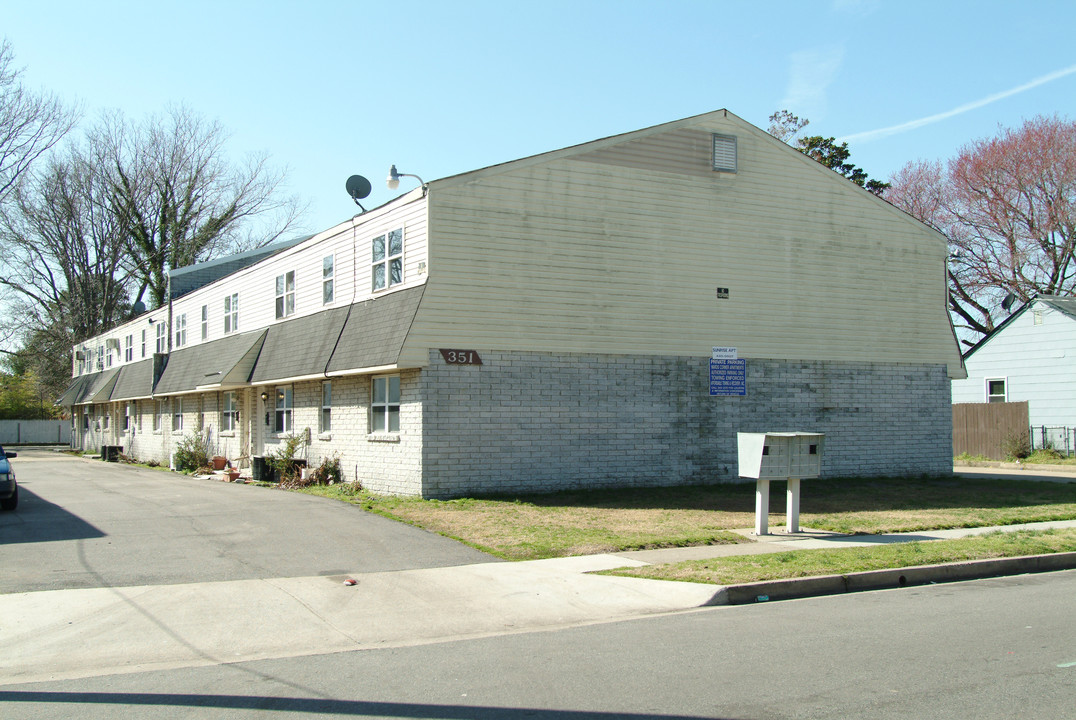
x=1008, y=207
x=177, y=198
x=63, y=252
x=30, y=123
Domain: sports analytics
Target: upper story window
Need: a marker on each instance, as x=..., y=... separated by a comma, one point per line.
x=327, y=272
x=231, y=313
x=100, y=358
x=162, y=334
x=205, y=322
x=388, y=259
x=181, y=330
x=143, y=343
x=80, y=355
x=285, y=294
x=108, y=355
x=128, y=348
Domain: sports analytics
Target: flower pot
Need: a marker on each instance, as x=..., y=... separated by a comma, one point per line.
x=219, y=461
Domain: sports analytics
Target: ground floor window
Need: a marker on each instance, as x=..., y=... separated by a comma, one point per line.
x=996, y=390
x=229, y=414
x=177, y=415
x=326, y=407
x=126, y=416
x=158, y=416
x=385, y=404
x=283, y=410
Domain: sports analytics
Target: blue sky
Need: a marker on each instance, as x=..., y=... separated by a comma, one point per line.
x=331, y=89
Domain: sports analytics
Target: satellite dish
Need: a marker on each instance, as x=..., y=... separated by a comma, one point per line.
x=138, y=308
x=358, y=188
x=1008, y=301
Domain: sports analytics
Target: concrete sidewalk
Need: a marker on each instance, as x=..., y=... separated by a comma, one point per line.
x=102, y=631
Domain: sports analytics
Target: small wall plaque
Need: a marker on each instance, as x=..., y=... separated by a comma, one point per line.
x=722, y=293
x=461, y=357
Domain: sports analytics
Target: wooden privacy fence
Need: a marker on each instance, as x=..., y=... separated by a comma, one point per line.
x=986, y=428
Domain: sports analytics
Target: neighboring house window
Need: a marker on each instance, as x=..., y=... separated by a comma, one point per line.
x=205, y=322
x=85, y=420
x=229, y=415
x=81, y=355
x=126, y=417
x=108, y=357
x=162, y=333
x=105, y=419
x=385, y=404
x=285, y=294
x=231, y=313
x=177, y=415
x=181, y=330
x=128, y=348
x=100, y=358
x=158, y=417
x=326, y=406
x=283, y=410
x=388, y=259
x=143, y=343
x=327, y=272
x=995, y=390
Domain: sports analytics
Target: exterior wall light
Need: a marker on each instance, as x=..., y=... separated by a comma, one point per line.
x=393, y=180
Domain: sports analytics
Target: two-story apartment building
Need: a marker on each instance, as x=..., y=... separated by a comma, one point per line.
x=550, y=322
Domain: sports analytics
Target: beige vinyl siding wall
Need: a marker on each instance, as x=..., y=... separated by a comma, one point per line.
x=594, y=254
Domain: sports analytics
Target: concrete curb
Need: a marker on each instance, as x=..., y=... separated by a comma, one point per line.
x=1003, y=465
x=889, y=579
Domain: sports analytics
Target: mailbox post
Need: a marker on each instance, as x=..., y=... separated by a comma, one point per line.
x=790, y=456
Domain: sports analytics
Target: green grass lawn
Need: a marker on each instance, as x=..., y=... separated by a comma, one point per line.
x=810, y=563
x=597, y=521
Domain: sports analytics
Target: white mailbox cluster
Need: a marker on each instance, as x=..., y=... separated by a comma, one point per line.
x=790, y=456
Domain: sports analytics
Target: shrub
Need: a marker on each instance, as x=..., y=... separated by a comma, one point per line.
x=283, y=460
x=192, y=452
x=1016, y=447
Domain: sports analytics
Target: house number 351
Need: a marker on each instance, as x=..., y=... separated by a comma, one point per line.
x=461, y=357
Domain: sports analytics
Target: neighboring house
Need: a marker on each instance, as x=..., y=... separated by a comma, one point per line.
x=549, y=323
x=1029, y=356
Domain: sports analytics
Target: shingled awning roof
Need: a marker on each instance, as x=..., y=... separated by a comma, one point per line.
x=375, y=332
x=364, y=335
x=134, y=382
x=88, y=389
x=216, y=365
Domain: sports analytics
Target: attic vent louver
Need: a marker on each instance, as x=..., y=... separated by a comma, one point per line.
x=724, y=156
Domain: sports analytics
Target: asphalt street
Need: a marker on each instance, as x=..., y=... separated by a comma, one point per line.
x=1000, y=648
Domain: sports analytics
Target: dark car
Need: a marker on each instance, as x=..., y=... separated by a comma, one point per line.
x=9, y=489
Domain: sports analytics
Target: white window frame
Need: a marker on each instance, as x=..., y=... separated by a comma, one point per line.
x=108, y=357
x=328, y=273
x=127, y=417
x=100, y=358
x=383, y=259
x=162, y=338
x=285, y=295
x=282, y=409
x=384, y=409
x=143, y=343
x=229, y=412
x=181, y=330
x=128, y=348
x=205, y=322
x=325, y=422
x=177, y=415
x=996, y=397
x=231, y=313
x=158, y=417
